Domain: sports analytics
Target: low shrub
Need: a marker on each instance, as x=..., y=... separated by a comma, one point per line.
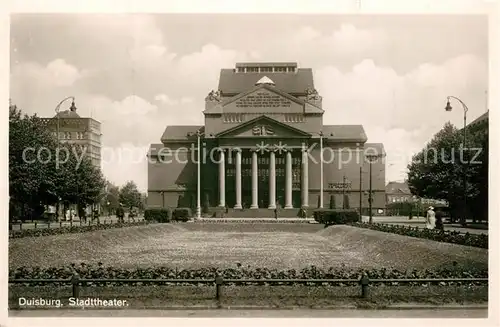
x=35, y=232
x=161, y=215
x=253, y=221
x=99, y=271
x=330, y=217
x=181, y=214
x=475, y=240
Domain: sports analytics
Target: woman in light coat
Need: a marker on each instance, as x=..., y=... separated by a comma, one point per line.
x=430, y=221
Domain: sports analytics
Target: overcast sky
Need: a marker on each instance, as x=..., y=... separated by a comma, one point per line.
x=139, y=73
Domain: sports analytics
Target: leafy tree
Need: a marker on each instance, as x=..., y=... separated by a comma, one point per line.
x=129, y=195
x=78, y=181
x=437, y=172
x=31, y=181
x=44, y=177
x=110, y=200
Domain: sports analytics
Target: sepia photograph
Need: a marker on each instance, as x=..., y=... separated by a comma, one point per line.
x=248, y=165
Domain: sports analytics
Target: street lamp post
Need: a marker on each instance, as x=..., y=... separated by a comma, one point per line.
x=371, y=159
x=198, y=200
x=57, y=117
x=360, y=193
x=321, y=174
x=57, y=113
x=321, y=170
x=370, y=195
x=449, y=108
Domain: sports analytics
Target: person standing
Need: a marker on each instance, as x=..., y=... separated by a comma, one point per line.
x=439, y=219
x=430, y=221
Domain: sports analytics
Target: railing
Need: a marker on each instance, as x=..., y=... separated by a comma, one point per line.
x=364, y=282
x=70, y=223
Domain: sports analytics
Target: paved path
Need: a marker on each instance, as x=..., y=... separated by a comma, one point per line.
x=296, y=313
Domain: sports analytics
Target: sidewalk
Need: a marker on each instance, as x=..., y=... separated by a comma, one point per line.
x=391, y=312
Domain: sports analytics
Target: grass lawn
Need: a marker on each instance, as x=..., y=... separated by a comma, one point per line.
x=282, y=246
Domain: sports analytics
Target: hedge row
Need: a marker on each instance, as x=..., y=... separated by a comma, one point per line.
x=165, y=215
x=253, y=221
x=330, y=217
x=475, y=240
x=100, y=271
x=35, y=232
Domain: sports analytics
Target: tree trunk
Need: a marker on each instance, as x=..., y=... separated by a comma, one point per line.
x=57, y=210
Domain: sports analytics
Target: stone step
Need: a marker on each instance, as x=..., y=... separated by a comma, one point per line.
x=255, y=213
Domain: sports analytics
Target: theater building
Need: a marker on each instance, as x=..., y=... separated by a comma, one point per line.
x=260, y=149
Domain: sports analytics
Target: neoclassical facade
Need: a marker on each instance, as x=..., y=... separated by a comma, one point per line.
x=260, y=148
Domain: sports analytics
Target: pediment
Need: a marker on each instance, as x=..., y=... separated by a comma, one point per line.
x=263, y=98
x=263, y=126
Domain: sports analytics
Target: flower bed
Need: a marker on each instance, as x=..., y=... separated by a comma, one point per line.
x=475, y=240
x=35, y=232
x=99, y=271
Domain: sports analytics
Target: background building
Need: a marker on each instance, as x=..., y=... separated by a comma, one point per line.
x=262, y=115
x=74, y=129
x=397, y=192
x=480, y=124
x=401, y=202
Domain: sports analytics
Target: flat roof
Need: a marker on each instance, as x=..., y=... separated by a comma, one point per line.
x=266, y=64
x=231, y=82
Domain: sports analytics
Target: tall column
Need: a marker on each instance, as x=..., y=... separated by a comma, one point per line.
x=305, y=179
x=255, y=182
x=272, y=180
x=238, y=180
x=288, y=183
x=222, y=179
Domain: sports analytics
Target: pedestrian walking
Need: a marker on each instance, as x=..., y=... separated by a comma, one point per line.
x=430, y=221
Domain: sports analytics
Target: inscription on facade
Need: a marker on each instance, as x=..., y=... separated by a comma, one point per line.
x=339, y=186
x=263, y=100
x=262, y=130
